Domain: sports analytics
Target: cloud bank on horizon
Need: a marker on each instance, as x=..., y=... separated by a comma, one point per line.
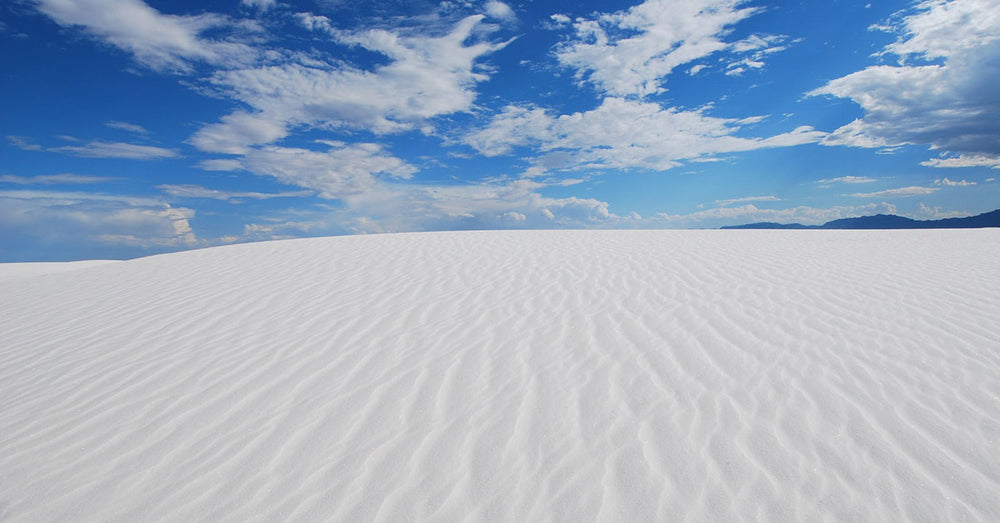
x=169, y=125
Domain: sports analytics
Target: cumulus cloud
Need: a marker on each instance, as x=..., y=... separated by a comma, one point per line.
x=942, y=94
x=500, y=11
x=628, y=53
x=623, y=133
x=750, y=213
x=486, y=205
x=935, y=213
x=901, y=192
x=158, y=41
x=695, y=69
x=560, y=19
x=964, y=160
x=946, y=28
x=74, y=219
x=390, y=206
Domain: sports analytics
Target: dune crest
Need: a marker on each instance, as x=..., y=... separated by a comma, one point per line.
x=511, y=376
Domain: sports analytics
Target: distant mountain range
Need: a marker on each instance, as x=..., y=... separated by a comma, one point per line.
x=887, y=221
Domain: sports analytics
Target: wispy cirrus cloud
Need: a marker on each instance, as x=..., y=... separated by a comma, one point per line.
x=900, y=192
x=197, y=191
x=262, y=5
x=747, y=199
x=99, y=149
x=630, y=52
x=102, y=149
x=23, y=143
x=846, y=179
x=159, y=41
x=341, y=170
x=953, y=183
x=125, y=126
x=427, y=76
x=622, y=133
x=54, y=179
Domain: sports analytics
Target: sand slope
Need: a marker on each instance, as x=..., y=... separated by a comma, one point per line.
x=511, y=376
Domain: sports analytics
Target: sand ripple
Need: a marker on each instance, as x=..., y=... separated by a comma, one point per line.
x=511, y=376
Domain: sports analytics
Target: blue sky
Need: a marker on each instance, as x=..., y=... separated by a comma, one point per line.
x=131, y=128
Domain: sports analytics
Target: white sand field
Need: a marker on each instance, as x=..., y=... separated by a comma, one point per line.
x=510, y=376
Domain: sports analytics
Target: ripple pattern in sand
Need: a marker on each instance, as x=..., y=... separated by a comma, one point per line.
x=511, y=376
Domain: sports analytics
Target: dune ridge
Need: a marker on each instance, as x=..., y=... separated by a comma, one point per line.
x=511, y=376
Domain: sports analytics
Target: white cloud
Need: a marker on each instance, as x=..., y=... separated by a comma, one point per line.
x=629, y=52
x=500, y=11
x=237, y=132
x=338, y=172
x=737, y=68
x=514, y=126
x=855, y=134
x=54, y=179
x=746, y=199
x=846, y=179
x=560, y=19
x=953, y=183
x=943, y=28
x=623, y=133
x=221, y=164
x=513, y=216
x=159, y=41
x=389, y=206
x=101, y=149
x=935, y=213
x=197, y=191
x=695, y=69
x=73, y=217
x=750, y=213
x=427, y=76
x=125, y=126
x=262, y=5
x=951, y=105
x=901, y=192
x=23, y=143
x=488, y=205
x=964, y=160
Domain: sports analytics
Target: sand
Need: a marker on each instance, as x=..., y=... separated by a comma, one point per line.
x=13, y=271
x=511, y=376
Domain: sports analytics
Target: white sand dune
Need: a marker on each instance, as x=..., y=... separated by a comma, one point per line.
x=11, y=271
x=511, y=376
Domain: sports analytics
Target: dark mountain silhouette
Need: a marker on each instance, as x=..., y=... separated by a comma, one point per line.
x=887, y=221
